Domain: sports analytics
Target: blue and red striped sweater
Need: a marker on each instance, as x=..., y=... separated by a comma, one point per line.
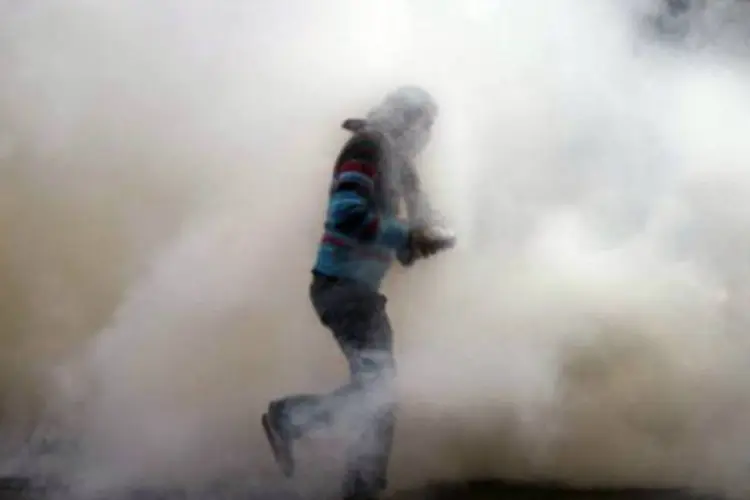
x=362, y=234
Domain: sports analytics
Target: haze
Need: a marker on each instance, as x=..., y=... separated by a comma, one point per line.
x=164, y=170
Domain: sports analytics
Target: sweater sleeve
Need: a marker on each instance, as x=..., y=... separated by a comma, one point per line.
x=352, y=207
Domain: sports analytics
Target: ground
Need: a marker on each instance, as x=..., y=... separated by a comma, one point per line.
x=18, y=488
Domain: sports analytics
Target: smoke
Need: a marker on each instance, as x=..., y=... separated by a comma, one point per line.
x=164, y=170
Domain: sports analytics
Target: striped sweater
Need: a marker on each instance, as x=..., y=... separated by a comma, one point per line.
x=362, y=234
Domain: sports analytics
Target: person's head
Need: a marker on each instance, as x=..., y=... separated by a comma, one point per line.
x=406, y=115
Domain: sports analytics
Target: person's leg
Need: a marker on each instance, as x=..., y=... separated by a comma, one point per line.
x=356, y=316
x=366, y=404
x=290, y=417
x=369, y=452
x=366, y=473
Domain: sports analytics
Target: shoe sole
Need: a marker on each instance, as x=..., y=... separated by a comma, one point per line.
x=281, y=452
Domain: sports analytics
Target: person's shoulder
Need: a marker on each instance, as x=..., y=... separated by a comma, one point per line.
x=364, y=145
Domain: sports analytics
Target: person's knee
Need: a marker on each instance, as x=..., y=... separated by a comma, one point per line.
x=376, y=380
x=374, y=367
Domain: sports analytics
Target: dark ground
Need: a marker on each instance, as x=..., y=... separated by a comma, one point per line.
x=20, y=488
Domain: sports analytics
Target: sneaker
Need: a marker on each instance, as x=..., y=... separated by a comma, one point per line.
x=355, y=488
x=274, y=426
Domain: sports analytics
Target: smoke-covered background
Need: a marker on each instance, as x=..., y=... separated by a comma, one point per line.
x=164, y=168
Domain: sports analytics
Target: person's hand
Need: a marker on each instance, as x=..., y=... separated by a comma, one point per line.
x=424, y=242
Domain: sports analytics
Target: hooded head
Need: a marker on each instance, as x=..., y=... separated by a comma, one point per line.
x=405, y=116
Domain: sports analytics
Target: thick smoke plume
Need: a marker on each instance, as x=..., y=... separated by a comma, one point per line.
x=163, y=176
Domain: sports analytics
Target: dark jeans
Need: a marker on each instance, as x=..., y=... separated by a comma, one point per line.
x=365, y=405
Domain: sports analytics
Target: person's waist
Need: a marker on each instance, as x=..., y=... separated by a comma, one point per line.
x=325, y=281
x=364, y=250
x=321, y=277
x=322, y=280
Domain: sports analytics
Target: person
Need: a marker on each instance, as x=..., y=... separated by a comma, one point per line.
x=363, y=236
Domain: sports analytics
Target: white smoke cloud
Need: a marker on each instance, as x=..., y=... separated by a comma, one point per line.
x=164, y=170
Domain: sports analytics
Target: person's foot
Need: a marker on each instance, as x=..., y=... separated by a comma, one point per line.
x=362, y=496
x=356, y=489
x=275, y=427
